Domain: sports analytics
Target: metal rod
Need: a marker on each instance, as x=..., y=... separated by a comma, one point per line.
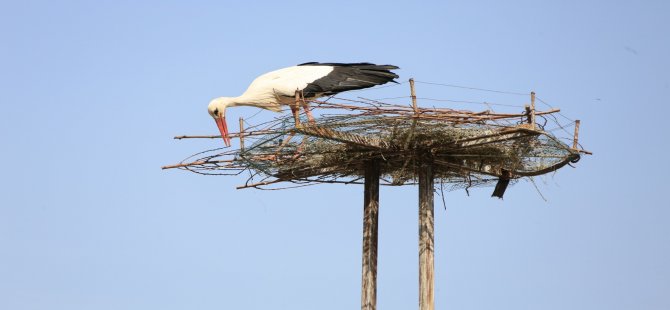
x=370, y=230
x=426, y=237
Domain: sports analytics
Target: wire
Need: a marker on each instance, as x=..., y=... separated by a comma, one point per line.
x=475, y=88
x=388, y=98
x=550, y=106
x=450, y=100
x=251, y=117
x=475, y=102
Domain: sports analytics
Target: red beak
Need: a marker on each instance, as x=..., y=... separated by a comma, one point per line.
x=223, y=128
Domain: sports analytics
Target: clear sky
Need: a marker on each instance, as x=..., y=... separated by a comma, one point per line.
x=92, y=92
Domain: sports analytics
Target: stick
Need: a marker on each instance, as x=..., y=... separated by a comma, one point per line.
x=455, y=116
x=260, y=183
x=413, y=94
x=532, y=109
x=242, y=134
x=232, y=135
x=410, y=135
x=197, y=163
x=576, y=137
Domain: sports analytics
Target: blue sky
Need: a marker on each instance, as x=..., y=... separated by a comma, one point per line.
x=93, y=91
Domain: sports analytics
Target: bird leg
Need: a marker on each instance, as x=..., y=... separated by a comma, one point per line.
x=295, y=107
x=296, y=114
x=310, y=117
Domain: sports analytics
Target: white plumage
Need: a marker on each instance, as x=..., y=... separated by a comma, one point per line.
x=273, y=89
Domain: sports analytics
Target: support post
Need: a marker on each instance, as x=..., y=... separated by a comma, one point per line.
x=575, y=141
x=426, y=237
x=242, y=134
x=532, y=110
x=370, y=221
x=530, y=118
x=413, y=94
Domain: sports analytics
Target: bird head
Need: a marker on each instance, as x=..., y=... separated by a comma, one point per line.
x=217, y=109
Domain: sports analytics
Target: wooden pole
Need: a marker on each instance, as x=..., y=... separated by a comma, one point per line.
x=242, y=134
x=530, y=119
x=370, y=221
x=426, y=237
x=413, y=94
x=576, y=138
x=532, y=110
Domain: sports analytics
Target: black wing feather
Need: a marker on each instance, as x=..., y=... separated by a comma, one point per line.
x=349, y=76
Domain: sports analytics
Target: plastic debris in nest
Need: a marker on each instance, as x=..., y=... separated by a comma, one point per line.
x=466, y=149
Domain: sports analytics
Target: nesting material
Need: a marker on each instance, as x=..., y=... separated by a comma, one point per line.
x=465, y=148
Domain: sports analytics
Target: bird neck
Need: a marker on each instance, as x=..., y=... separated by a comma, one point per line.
x=262, y=101
x=238, y=101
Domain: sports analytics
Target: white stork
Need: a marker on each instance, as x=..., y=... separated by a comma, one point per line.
x=273, y=89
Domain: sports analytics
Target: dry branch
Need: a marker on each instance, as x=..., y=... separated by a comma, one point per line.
x=467, y=148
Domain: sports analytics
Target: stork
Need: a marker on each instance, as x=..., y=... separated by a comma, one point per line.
x=273, y=89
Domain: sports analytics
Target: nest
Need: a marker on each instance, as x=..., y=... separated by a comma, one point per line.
x=465, y=148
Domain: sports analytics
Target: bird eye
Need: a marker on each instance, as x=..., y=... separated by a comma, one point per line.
x=216, y=112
